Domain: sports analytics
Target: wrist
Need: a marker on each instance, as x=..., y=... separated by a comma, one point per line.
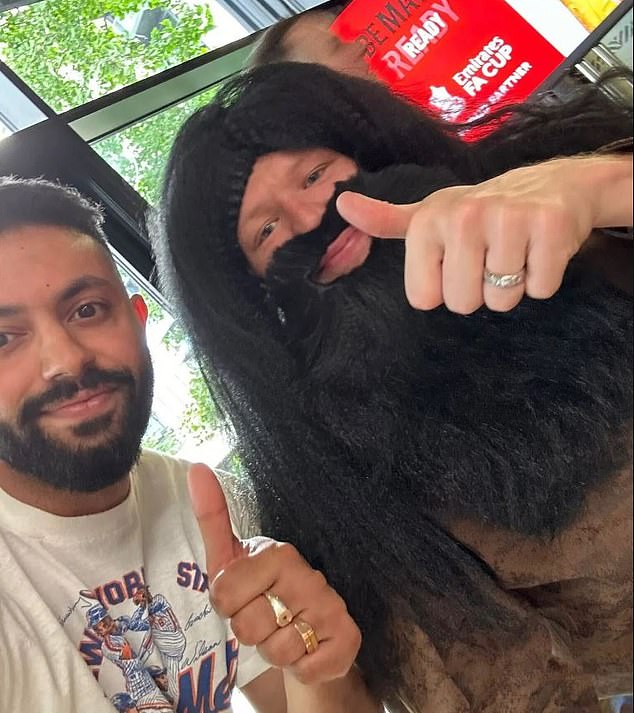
x=340, y=695
x=607, y=187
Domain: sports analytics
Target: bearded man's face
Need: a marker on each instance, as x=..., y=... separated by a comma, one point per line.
x=75, y=373
x=337, y=289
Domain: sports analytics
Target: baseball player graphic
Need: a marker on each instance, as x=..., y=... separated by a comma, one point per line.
x=116, y=648
x=166, y=631
x=124, y=703
x=161, y=679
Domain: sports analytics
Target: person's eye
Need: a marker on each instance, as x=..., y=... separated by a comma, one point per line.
x=6, y=339
x=89, y=310
x=315, y=175
x=265, y=232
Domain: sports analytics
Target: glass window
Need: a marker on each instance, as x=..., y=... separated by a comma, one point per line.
x=72, y=51
x=16, y=110
x=184, y=421
x=139, y=153
x=619, y=39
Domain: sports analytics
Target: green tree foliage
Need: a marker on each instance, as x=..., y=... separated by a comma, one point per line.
x=201, y=418
x=167, y=441
x=68, y=51
x=140, y=152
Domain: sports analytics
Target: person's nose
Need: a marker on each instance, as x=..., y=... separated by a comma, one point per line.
x=62, y=354
x=305, y=212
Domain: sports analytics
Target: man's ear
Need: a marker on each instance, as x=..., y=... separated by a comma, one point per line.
x=140, y=308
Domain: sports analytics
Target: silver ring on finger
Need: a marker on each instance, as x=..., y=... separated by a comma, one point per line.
x=504, y=281
x=283, y=615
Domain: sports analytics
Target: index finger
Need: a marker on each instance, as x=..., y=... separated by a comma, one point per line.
x=210, y=507
x=379, y=219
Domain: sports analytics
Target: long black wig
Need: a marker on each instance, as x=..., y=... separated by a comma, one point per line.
x=331, y=464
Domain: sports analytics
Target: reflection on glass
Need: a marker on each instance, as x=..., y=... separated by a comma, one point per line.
x=139, y=153
x=72, y=51
x=619, y=41
x=184, y=421
x=16, y=110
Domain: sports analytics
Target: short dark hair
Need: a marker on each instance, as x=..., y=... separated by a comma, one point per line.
x=35, y=201
x=271, y=48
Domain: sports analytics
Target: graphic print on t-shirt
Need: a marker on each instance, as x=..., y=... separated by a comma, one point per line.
x=140, y=654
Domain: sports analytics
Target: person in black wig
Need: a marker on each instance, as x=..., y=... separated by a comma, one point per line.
x=455, y=455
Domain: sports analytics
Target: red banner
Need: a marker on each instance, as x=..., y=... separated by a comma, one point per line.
x=459, y=58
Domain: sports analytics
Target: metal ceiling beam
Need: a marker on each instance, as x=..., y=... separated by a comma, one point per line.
x=114, y=112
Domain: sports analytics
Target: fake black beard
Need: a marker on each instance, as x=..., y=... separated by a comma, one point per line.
x=508, y=418
x=324, y=324
x=29, y=450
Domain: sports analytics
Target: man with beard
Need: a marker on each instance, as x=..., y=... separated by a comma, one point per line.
x=87, y=521
x=464, y=481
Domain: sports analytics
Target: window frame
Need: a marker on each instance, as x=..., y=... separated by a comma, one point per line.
x=52, y=150
x=114, y=112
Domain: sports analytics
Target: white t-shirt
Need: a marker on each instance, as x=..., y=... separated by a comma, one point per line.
x=59, y=577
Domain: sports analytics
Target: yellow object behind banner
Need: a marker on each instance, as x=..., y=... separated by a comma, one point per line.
x=591, y=13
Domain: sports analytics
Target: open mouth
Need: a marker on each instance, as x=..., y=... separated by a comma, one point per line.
x=345, y=254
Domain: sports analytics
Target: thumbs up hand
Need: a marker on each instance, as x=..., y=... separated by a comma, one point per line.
x=533, y=219
x=272, y=597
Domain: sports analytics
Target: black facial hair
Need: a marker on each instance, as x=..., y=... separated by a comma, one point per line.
x=29, y=450
x=506, y=418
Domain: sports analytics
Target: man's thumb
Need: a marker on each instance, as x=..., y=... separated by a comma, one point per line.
x=212, y=513
x=377, y=218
